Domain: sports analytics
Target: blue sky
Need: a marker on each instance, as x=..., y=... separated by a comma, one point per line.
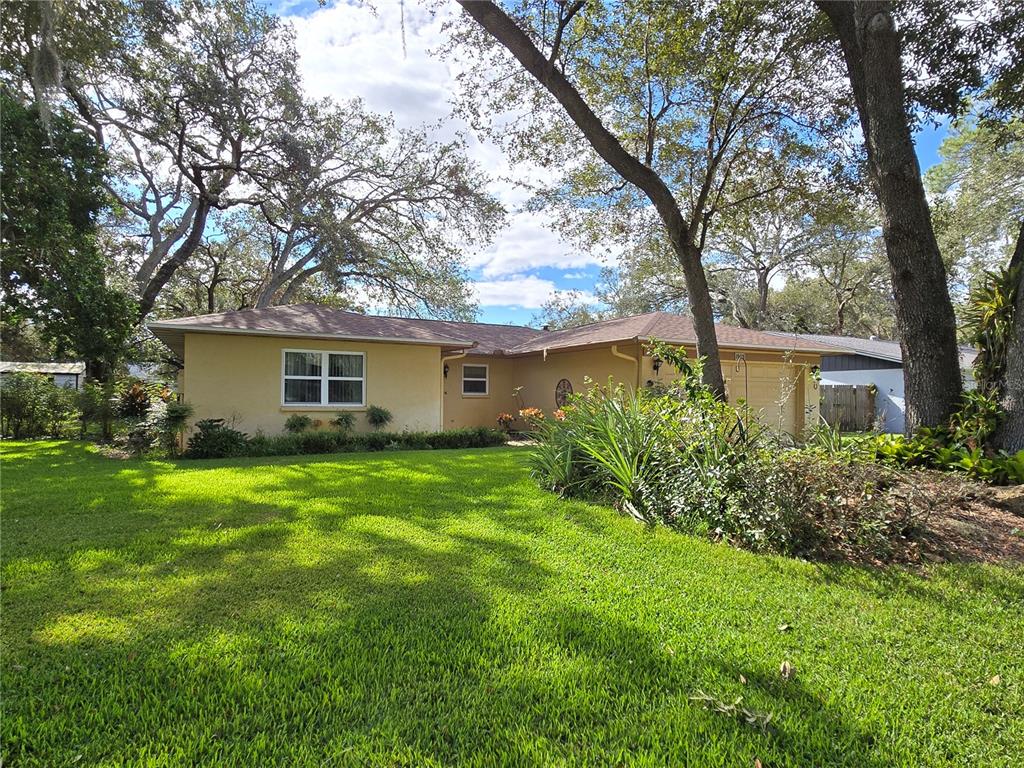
x=350, y=50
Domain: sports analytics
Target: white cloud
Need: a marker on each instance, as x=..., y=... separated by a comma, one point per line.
x=527, y=243
x=349, y=51
x=523, y=291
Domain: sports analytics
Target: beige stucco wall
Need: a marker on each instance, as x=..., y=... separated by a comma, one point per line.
x=539, y=377
x=479, y=410
x=779, y=388
x=238, y=378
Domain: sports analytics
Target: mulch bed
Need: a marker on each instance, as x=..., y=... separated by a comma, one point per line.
x=984, y=525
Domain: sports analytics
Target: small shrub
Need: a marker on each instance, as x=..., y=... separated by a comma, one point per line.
x=344, y=422
x=133, y=402
x=213, y=439
x=297, y=422
x=141, y=438
x=505, y=421
x=60, y=406
x=316, y=442
x=378, y=417
x=171, y=423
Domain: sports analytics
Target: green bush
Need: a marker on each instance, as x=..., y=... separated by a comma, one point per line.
x=344, y=422
x=294, y=444
x=141, y=438
x=95, y=406
x=959, y=446
x=297, y=422
x=60, y=409
x=213, y=439
x=33, y=406
x=378, y=417
x=680, y=457
x=170, y=423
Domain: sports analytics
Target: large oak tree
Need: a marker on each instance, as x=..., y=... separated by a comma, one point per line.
x=678, y=103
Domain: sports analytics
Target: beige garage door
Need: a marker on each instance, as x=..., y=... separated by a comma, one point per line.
x=769, y=389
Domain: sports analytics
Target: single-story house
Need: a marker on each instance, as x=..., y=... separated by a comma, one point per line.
x=863, y=362
x=71, y=375
x=256, y=367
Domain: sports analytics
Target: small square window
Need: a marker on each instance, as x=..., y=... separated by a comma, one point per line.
x=474, y=379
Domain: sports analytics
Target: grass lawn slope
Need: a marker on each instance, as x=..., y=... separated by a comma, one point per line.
x=436, y=608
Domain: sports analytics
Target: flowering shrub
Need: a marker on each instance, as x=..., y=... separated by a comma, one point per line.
x=505, y=421
x=532, y=416
x=558, y=415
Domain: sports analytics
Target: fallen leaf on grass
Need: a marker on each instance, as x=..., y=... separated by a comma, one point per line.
x=995, y=680
x=786, y=670
x=743, y=680
x=784, y=627
x=734, y=709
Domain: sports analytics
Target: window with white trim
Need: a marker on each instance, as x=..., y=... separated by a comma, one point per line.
x=474, y=379
x=313, y=377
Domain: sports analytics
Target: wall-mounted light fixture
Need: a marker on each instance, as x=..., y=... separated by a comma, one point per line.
x=656, y=362
x=446, y=369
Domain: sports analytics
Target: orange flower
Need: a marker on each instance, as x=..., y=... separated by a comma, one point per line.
x=532, y=414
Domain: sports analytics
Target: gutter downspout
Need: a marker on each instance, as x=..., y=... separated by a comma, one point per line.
x=444, y=362
x=624, y=356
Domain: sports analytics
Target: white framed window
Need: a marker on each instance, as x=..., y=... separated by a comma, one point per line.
x=318, y=377
x=474, y=380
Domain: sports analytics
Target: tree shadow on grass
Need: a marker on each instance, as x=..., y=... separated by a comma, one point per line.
x=378, y=609
x=422, y=662
x=1005, y=584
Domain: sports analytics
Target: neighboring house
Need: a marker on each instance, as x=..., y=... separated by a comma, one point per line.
x=256, y=367
x=62, y=374
x=874, y=361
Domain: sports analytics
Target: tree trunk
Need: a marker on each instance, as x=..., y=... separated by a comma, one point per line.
x=505, y=30
x=924, y=312
x=1010, y=435
x=762, y=298
x=169, y=267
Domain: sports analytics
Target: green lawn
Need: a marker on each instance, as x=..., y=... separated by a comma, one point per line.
x=436, y=608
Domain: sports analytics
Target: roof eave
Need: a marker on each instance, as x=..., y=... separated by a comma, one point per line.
x=160, y=330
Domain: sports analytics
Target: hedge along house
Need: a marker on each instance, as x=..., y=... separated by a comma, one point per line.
x=256, y=367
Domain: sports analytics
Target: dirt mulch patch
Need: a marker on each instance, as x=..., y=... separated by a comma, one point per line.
x=984, y=525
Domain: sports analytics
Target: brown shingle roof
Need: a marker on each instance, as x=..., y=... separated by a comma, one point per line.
x=882, y=349
x=315, y=321
x=665, y=326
